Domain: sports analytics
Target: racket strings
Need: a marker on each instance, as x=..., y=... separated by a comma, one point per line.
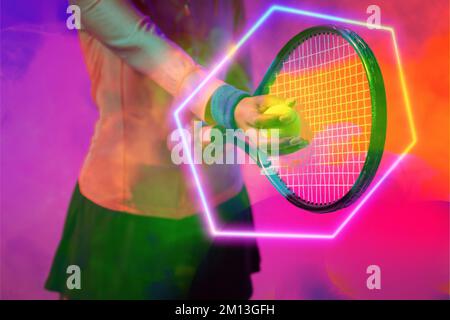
x=328, y=80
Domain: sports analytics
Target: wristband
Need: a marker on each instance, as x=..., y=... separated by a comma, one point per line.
x=223, y=103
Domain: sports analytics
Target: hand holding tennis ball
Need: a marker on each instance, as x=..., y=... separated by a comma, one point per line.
x=290, y=127
x=271, y=113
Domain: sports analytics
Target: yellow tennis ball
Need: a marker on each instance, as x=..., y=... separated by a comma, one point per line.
x=291, y=129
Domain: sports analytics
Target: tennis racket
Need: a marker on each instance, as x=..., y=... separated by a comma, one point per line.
x=338, y=86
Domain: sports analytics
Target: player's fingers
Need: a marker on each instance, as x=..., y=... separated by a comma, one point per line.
x=282, y=141
x=284, y=145
x=287, y=117
x=291, y=102
x=294, y=145
x=296, y=141
x=292, y=141
x=267, y=121
x=267, y=101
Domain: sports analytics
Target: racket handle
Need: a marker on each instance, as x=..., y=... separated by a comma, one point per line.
x=260, y=157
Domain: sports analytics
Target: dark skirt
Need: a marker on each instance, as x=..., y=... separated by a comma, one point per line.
x=127, y=256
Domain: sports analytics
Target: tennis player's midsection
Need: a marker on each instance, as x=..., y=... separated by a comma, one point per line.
x=129, y=166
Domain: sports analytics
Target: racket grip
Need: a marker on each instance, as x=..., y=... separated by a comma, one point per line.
x=260, y=157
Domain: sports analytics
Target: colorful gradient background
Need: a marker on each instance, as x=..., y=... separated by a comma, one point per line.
x=47, y=118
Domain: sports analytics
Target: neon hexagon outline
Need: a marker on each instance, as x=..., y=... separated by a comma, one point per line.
x=293, y=235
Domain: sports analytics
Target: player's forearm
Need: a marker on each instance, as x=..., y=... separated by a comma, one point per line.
x=136, y=39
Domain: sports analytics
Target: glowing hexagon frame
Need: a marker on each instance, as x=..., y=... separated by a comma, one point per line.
x=254, y=234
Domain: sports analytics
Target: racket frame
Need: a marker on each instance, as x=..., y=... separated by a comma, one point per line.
x=379, y=121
